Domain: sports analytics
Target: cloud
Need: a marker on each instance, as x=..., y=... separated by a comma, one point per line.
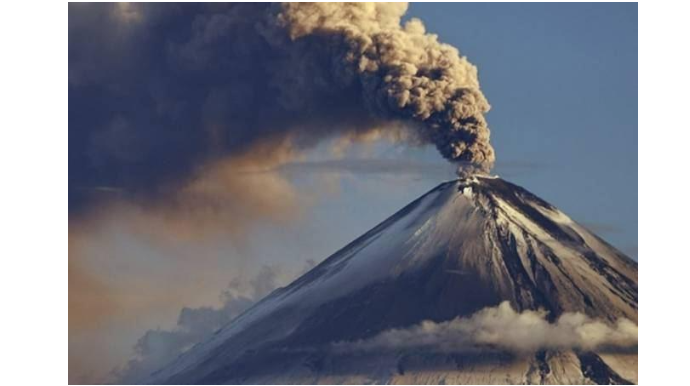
x=158, y=347
x=503, y=328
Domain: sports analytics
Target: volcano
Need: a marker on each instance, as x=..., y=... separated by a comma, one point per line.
x=465, y=246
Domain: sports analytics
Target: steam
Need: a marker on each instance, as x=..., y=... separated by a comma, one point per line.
x=502, y=327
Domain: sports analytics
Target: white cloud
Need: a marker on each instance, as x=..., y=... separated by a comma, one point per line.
x=502, y=327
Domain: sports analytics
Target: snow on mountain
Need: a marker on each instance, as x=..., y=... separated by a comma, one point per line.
x=465, y=246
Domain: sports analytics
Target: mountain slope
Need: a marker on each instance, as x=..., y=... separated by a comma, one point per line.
x=462, y=247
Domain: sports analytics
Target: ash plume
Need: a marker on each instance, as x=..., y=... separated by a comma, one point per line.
x=401, y=71
x=159, y=91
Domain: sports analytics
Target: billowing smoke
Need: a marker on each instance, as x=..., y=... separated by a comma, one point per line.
x=401, y=71
x=503, y=328
x=159, y=91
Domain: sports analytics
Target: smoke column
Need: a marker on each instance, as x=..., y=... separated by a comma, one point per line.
x=401, y=71
x=159, y=91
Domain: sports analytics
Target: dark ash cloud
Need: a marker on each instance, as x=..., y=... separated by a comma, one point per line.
x=159, y=91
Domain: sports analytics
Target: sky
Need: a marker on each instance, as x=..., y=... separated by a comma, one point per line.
x=562, y=84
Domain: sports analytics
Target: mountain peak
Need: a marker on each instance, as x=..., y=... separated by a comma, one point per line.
x=467, y=245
